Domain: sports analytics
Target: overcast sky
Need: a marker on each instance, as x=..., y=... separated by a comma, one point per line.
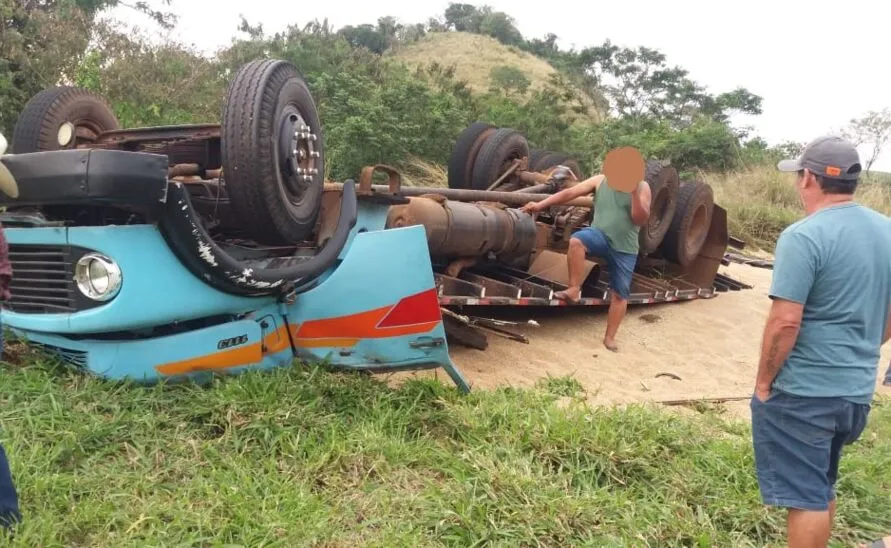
x=817, y=64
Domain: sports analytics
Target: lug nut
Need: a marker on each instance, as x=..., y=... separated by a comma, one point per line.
x=314, y=154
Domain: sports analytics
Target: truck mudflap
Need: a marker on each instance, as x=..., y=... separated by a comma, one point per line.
x=192, y=244
x=340, y=321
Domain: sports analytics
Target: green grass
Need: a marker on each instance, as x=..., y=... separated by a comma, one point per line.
x=302, y=456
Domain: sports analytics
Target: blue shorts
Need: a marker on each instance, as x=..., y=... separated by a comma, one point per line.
x=621, y=265
x=798, y=444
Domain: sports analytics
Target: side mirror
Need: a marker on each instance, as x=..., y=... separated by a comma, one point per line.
x=8, y=185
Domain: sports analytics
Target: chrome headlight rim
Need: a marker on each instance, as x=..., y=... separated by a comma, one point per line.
x=87, y=285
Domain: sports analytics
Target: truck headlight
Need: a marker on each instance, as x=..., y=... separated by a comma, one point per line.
x=97, y=277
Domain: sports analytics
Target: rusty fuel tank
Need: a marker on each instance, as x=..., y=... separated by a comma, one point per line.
x=459, y=229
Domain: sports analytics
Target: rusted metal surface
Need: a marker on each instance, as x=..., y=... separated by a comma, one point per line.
x=394, y=179
x=193, y=170
x=702, y=271
x=158, y=133
x=458, y=229
x=494, y=288
x=514, y=166
x=567, y=220
x=514, y=199
x=449, y=285
x=184, y=144
x=457, y=292
x=328, y=217
x=527, y=288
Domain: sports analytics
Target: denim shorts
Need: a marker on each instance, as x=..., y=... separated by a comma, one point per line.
x=798, y=445
x=621, y=265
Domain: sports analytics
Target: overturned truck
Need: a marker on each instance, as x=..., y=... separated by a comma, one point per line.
x=178, y=252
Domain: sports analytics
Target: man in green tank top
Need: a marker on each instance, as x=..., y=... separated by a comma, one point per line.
x=613, y=236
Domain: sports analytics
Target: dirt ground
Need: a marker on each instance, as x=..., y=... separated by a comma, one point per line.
x=713, y=345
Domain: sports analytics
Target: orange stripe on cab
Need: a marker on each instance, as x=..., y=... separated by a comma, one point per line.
x=233, y=357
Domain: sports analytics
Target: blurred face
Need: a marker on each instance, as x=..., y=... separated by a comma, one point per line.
x=624, y=168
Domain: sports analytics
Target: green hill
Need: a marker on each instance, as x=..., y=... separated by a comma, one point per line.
x=475, y=56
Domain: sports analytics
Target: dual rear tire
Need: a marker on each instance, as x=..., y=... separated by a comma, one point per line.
x=483, y=153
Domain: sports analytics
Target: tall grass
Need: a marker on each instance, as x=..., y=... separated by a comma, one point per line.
x=302, y=457
x=762, y=201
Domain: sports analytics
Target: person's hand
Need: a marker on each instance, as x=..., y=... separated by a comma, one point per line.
x=531, y=207
x=762, y=393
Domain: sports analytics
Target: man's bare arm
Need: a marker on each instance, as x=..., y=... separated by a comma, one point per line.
x=780, y=333
x=583, y=188
x=887, y=327
x=640, y=204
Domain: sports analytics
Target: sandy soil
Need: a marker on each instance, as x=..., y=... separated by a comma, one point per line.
x=711, y=344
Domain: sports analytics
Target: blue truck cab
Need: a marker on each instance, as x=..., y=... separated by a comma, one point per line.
x=183, y=251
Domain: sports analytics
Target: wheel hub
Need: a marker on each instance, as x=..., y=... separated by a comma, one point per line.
x=299, y=155
x=65, y=135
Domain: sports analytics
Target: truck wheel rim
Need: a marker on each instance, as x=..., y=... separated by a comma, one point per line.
x=298, y=154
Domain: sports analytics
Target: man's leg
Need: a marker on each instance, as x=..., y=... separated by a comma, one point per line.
x=621, y=270
x=793, y=439
x=575, y=264
x=9, y=502
x=587, y=241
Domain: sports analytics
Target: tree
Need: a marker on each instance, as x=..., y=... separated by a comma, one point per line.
x=501, y=27
x=365, y=36
x=510, y=79
x=483, y=20
x=638, y=82
x=874, y=129
x=43, y=41
x=463, y=17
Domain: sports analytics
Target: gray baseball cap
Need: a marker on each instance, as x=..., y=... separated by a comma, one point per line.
x=829, y=156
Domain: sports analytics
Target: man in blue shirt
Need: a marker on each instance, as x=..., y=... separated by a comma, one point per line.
x=831, y=293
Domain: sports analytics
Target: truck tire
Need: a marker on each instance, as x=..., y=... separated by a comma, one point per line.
x=273, y=152
x=60, y=118
x=536, y=154
x=496, y=155
x=664, y=187
x=690, y=224
x=553, y=159
x=465, y=151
